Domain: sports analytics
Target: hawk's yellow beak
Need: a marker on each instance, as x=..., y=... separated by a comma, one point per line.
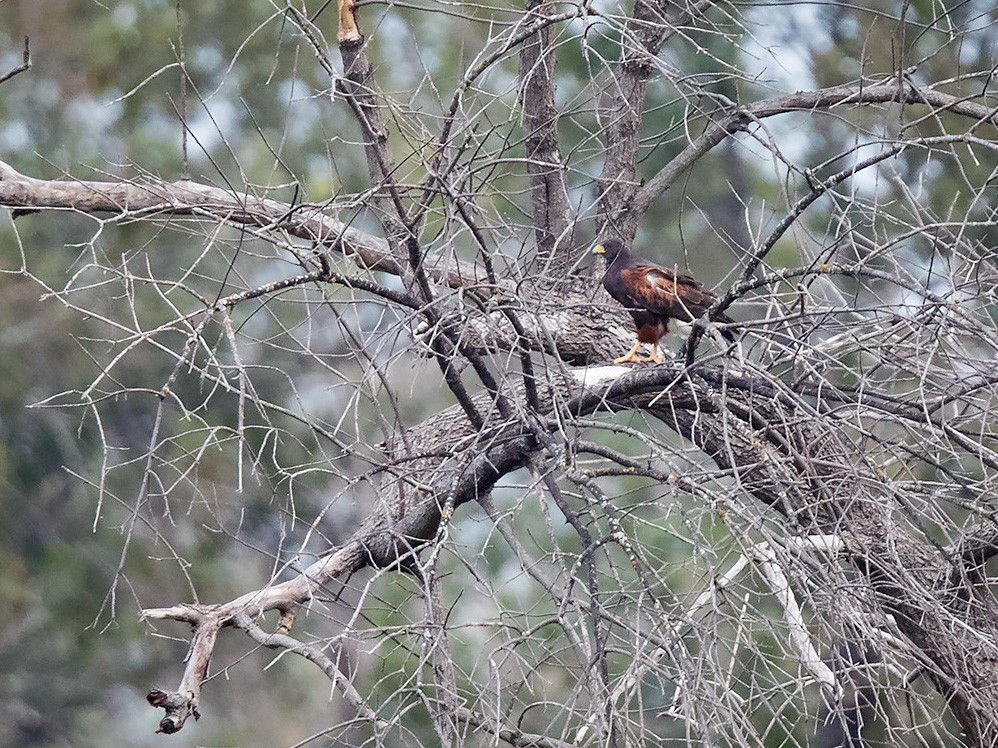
x=599, y=249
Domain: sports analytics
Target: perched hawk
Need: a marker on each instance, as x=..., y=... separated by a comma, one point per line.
x=653, y=295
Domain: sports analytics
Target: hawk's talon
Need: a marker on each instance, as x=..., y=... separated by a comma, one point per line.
x=632, y=357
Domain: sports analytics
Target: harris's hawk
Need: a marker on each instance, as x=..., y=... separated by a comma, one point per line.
x=653, y=295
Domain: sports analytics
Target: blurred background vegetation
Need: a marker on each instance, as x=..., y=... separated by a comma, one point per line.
x=103, y=99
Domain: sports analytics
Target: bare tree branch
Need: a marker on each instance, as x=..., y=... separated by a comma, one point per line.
x=24, y=66
x=151, y=199
x=549, y=191
x=847, y=454
x=811, y=475
x=622, y=108
x=804, y=101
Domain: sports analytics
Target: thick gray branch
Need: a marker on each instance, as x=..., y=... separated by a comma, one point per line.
x=548, y=191
x=149, y=198
x=622, y=108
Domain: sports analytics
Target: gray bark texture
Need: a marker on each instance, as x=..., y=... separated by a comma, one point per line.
x=782, y=443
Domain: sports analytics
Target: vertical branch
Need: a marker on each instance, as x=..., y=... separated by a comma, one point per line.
x=548, y=191
x=360, y=92
x=622, y=110
x=348, y=31
x=643, y=36
x=443, y=709
x=359, y=89
x=600, y=633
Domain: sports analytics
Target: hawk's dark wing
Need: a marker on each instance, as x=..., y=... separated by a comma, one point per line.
x=664, y=292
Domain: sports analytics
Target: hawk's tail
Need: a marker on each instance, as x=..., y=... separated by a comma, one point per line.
x=729, y=334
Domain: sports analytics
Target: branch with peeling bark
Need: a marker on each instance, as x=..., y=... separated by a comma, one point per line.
x=808, y=473
x=149, y=199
